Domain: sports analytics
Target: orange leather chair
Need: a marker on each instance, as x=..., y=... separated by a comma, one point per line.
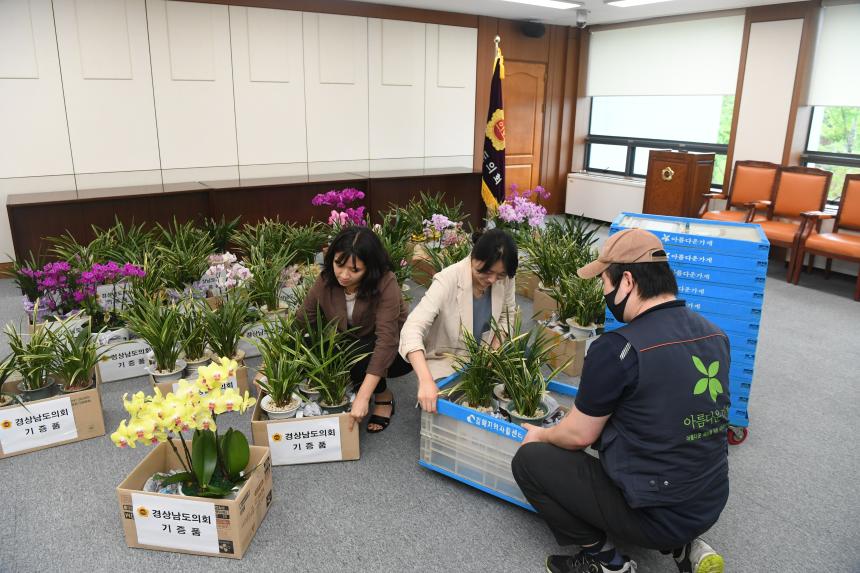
x=797, y=189
x=751, y=181
x=833, y=245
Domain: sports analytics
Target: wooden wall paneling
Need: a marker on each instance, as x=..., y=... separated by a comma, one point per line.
x=269, y=87
x=797, y=131
x=739, y=93
x=517, y=46
x=487, y=30
x=524, y=122
x=464, y=187
x=193, y=84
x=30, y=224
x=31, y=97
x=336, y=87
x=364, y=9
x=107, y=83
x=558, y=116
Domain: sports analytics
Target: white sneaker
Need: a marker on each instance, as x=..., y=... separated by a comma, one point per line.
x=699, y=557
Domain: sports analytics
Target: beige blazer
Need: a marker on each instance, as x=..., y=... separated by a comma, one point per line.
x=434, y=325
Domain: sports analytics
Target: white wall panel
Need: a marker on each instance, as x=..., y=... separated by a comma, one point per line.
x=450, y=93
x=117, y=179
x=268, y=85
x=35, y=137
x=771, y=66
x=192, y=76
x=200, y=174
x=396, y=67
x=336, y=87
x=273, y=170
x=104, y=52
x=452, y=161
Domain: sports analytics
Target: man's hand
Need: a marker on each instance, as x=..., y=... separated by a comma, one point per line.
x=427, y=393
x=360, y=407
x=535, y=434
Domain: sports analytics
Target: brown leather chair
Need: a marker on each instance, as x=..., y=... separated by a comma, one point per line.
x=797, y=189
x=833, y=245
x=751, y=181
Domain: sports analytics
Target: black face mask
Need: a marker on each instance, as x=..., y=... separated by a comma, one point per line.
x=617, y=310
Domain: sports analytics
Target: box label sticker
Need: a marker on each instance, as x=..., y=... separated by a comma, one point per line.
x=175, y=523
x=305, y=442
x=75, y=326
x=114, y=296
x=39, y=424
x=214, y=284
x=127, y=360
x=253, y=333
x=230, y=382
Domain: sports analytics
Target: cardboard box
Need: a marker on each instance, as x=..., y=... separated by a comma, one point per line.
x=544, y=305
x=422, y=270
x=527, y=283
x=289, y=439
x=568, y=348
x=238, y=382
x=225, y=527
x=62, y=419
x=126, y=360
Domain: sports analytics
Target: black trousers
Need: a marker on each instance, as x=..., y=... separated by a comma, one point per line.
x=579, y=502
x=367, y=344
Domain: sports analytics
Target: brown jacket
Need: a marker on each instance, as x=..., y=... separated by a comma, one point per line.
x=382, y=315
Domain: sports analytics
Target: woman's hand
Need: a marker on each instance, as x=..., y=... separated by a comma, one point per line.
x=360, y=407
x=427, y=393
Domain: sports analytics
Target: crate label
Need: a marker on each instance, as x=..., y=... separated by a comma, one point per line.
x=482, y=421
x=114, y=296
x=126, y=360
x=175, y=523
x=305, y=442
x=39, y=424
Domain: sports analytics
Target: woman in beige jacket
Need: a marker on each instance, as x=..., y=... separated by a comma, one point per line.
x=466, y=294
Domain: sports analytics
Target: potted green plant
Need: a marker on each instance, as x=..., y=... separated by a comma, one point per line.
x=213, y=465
x=220, y=231
x=519, y=363
x=183, y=253
x=159, y=324
x=225, y=324
x=306, y=240
x=474, y=386
x=193, y=338
x=267, y=276
x=33, y=356
x=327, y=362
x=76, y=355
x=7, y=369
x=270, y=235
x=281, y=349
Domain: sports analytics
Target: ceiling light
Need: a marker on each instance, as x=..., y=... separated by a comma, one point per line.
x=628, y=3
x=558, y=4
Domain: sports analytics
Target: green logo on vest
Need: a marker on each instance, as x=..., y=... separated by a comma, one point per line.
x=709, y=382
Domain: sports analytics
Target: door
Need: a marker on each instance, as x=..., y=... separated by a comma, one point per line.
x=523, y=93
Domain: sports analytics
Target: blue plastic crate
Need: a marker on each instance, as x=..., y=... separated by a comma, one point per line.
x=704, y=259
x=709, y=275
x=732, y=294
x=712, y=306
x=739, y=239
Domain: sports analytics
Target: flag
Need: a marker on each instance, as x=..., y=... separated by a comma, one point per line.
x=493, y=169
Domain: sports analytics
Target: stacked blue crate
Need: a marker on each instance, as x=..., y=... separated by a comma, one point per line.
x=721, y=269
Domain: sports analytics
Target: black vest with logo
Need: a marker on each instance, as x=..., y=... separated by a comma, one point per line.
x=666, y=441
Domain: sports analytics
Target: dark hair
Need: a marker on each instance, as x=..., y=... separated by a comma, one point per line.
x=356, y=242
x=493, y=246
x=652, y=279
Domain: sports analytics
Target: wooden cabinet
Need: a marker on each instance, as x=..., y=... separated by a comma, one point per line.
x=676, y=182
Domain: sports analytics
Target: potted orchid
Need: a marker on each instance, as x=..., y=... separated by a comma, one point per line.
x=226, y=323
x=34, y=359
x=521, y=210
x=160, y=325
x=280, y=374
x=103, y=292
x=342, y=215
x=213, y=465
x=446, y=242
x=193, y=338
x=225, y=272
x=76, y=354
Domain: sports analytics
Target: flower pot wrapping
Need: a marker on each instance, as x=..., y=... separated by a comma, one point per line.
x=526, y=284
x=127, y=360
x=567, y=348
x=544, y=305
x=239, y=381
x=422, y=270
x=197, y=525
x=62, y=419
x=306, y=440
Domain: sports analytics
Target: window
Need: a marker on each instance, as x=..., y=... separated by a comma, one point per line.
x=834, y=144
x=624, y=129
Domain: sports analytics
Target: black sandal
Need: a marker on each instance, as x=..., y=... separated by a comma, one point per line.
x=380, y=420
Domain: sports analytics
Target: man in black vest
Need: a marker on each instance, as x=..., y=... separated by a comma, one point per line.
x=653, y=401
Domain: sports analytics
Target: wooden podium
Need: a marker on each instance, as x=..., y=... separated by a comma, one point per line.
x=676, y=182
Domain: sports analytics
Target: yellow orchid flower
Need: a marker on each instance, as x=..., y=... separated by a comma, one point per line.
x=141, y=428
x=204, y=421
x=133, y=406
x=122, y=437
x=186, y=390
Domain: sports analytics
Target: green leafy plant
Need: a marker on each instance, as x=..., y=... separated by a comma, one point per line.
x=477, y=377
x=442, y=257
x=7, y=368
x=79, y=255
x=220, y=231
x=328, y=360
x=183, y=253
x=519, y=362
x=281, y=349
x=33, y=355
x=160, y=325
x=76, y=354
x=226, y=322
x=123, y=242
x=579, y=299
x=579, y=231
x=270, y=235
x=306, y=240
x=709, y=381
x=426, y=205
x=400, y=255
x=267, y=268
x=397, y=225
x=193, y=337
x=152, y=283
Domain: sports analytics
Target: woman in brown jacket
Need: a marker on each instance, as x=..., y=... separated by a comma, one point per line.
x=357, y=288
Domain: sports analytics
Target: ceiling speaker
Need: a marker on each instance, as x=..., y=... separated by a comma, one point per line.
x=533, y=29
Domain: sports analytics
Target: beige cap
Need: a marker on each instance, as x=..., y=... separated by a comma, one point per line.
x=627, y=246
